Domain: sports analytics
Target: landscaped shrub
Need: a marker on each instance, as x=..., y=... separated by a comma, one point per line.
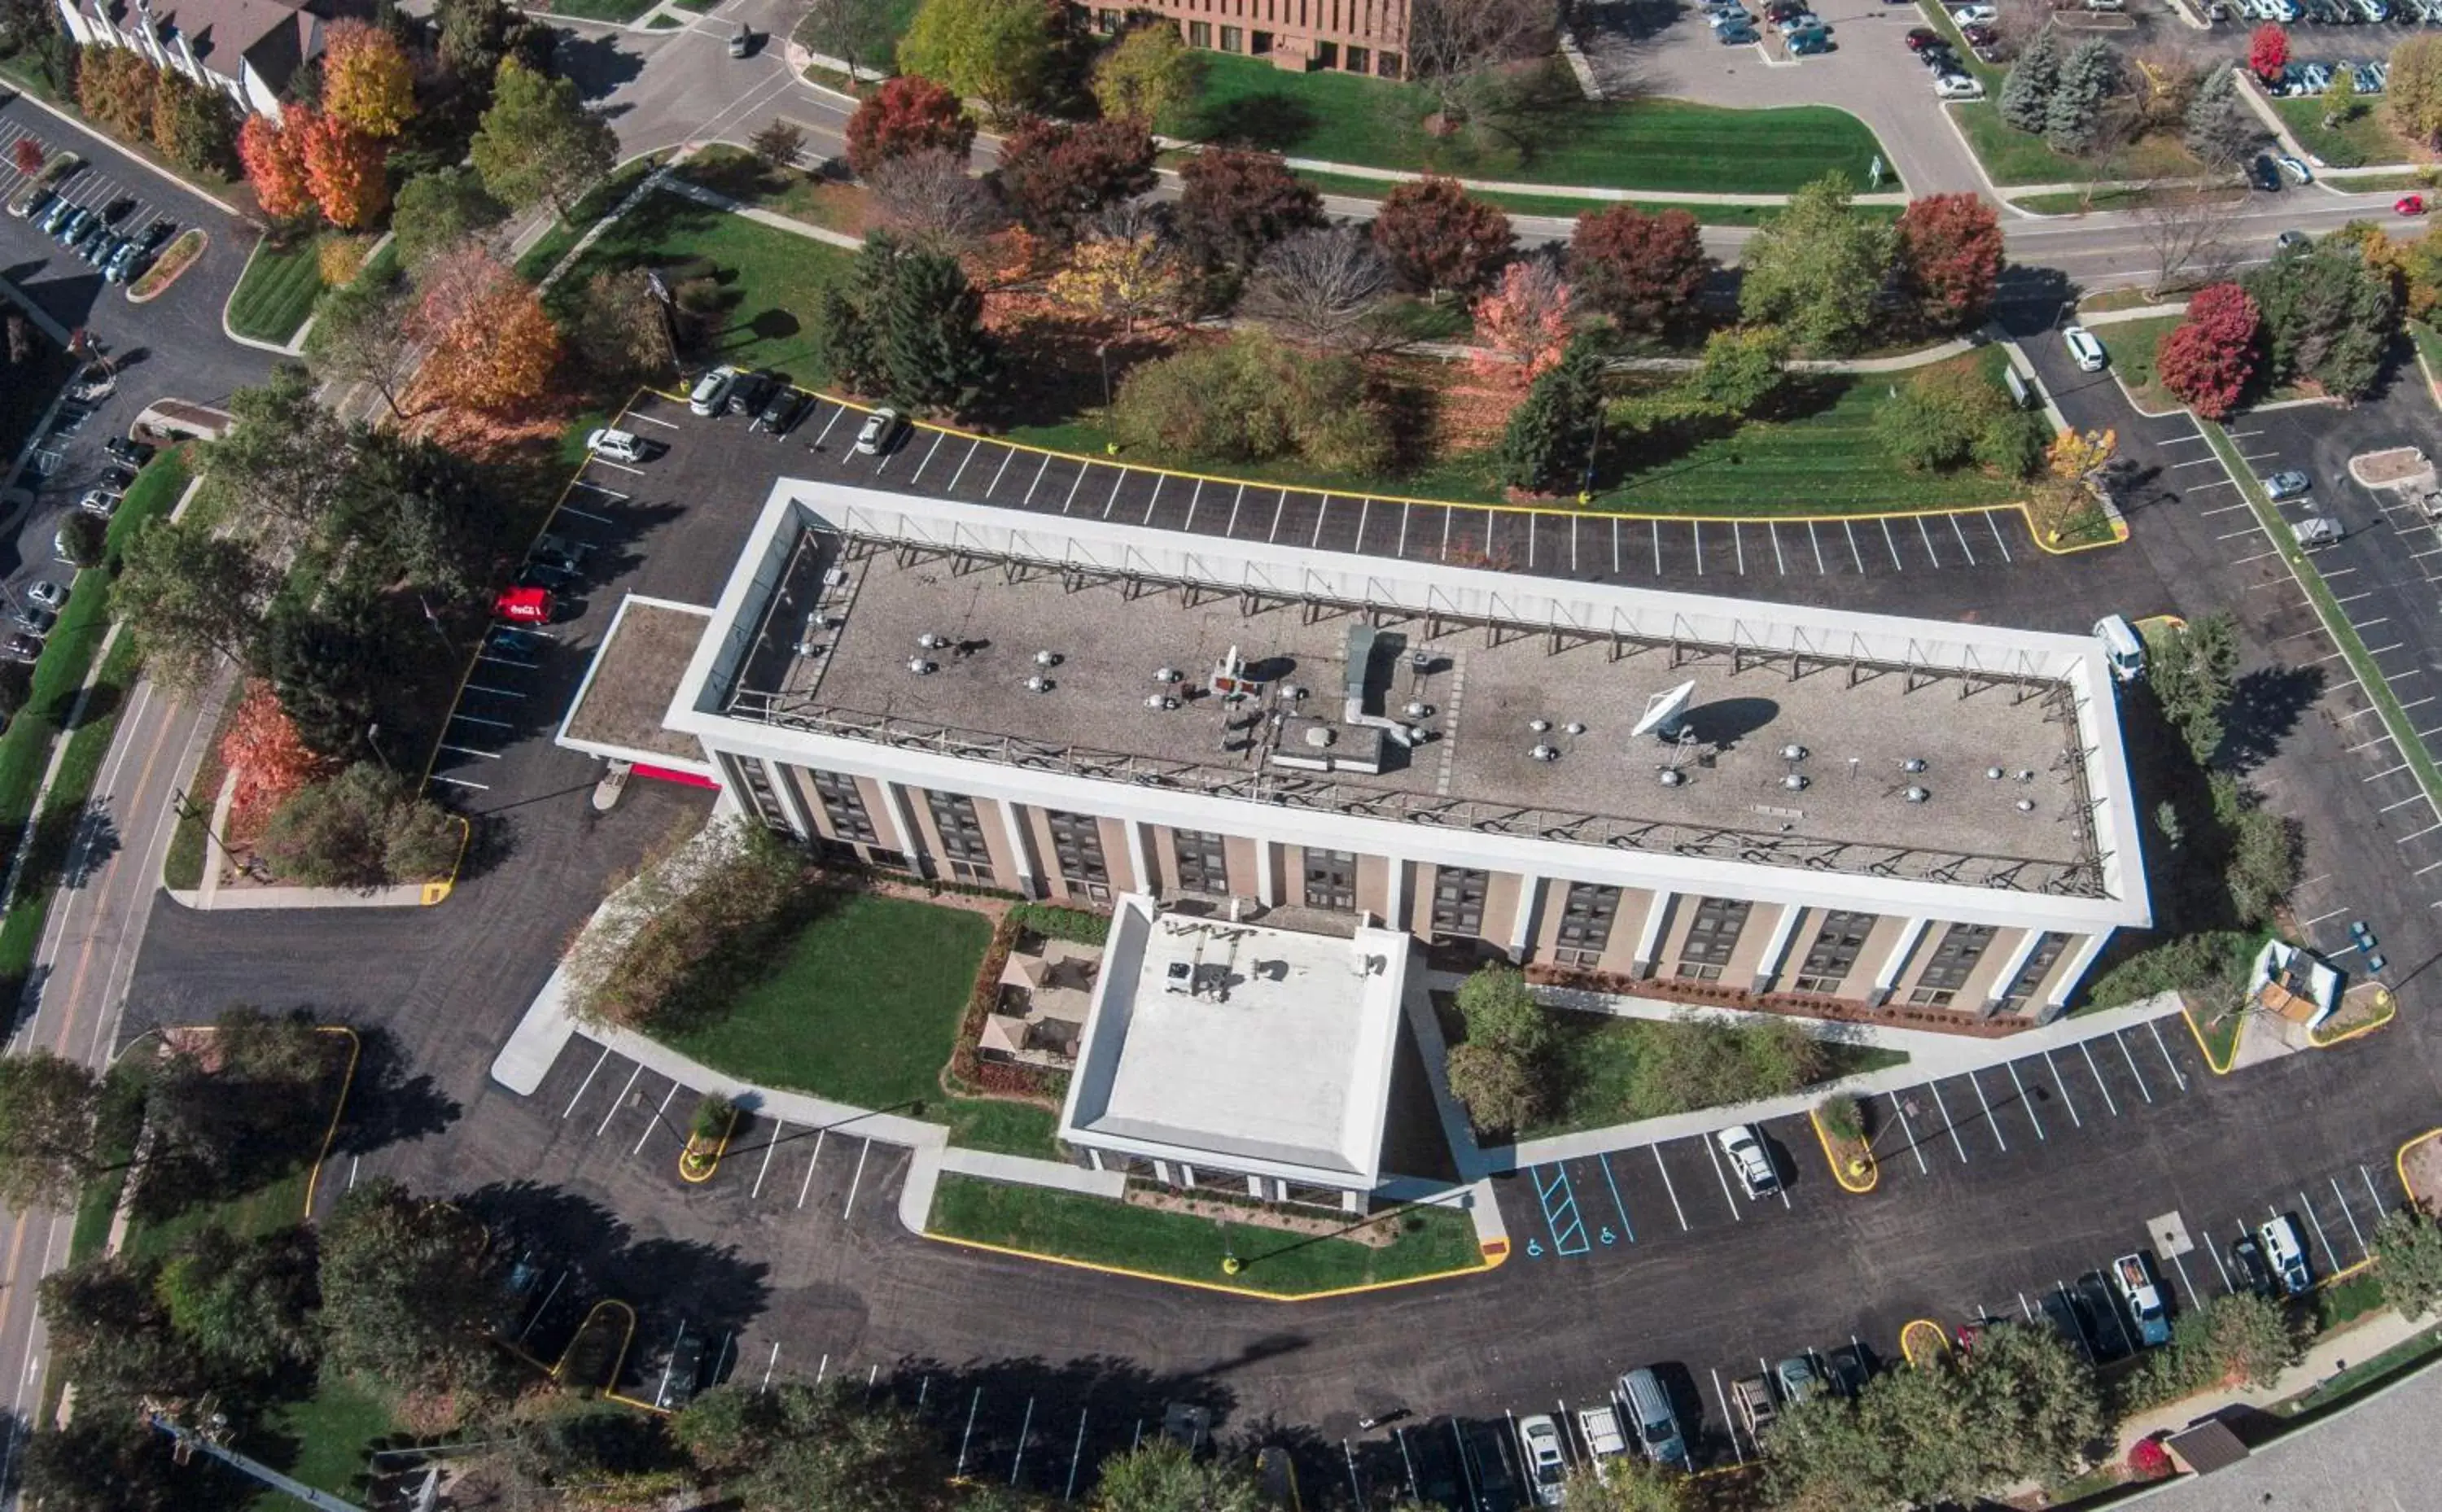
x=697, y=944
x=361, y=829
x=2408, y=1248
x=1714, y=1064
x=2236, y=1340
x=1250, y=399
x=1844, y=1117
x=1052, y=922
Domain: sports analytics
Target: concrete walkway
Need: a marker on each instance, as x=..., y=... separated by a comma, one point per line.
x=1388, y=176
x=2327, y=1357
x=688, y=188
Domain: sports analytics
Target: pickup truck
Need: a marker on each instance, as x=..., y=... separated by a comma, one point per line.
x=1599, y=1427
x=2134, y=1282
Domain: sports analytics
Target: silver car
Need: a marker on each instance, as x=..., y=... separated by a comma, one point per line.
x=2288, y=484
x=711, y=392
x=1744, y=1148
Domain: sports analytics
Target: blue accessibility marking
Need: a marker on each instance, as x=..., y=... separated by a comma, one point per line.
x=1534, y=1248
x=1607, y=1236
x=1560, y=1215
x=1604, y=1161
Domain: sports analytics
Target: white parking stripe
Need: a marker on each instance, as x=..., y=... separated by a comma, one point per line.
x=1667, y=1186
x=1990, y=1121
x=2026, y=1103
x=2211, y=1248
x=652, y=420
x=1724, y=1176
x=812, y=1162
x=655, y=1121
x=588, y=1081
x=2062, y=1084
x=2108, y=1101
x=2355, y=1232
x=2329, y=1253
x=2132, y=1065
x=1914, y=1148
x=619, y=1101
x=2156, y=1025
x=1948, y=1123
x=765, y=1169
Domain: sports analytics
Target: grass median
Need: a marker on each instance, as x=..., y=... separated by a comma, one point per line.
x=277, y=291
x=1186, y=1247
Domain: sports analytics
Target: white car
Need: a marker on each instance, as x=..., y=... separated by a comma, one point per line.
x=2296, y=168
x=1744, y=1148
x=2084, y=348
x=2285, y=1247
x=616, y=446
x=1804, y=20
x=711, y=392
x=1959, y=86
x=1974, y=15
x=47, y=594
x=1539, y=1439
x=880, y=429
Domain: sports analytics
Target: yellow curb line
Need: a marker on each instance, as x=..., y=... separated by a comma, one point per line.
x=355, y=1047
x=1942, y=1341
x=687, y=1155
x=2026, y=516
x=1491, y=1261
x=2204, y=1049
x=439, y=891
x=2399, y=1163
x=1873, y=1168
x=2384, y=999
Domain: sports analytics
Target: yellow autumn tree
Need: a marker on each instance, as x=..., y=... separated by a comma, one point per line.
x=493, y=349
x=367, y=80
x=2075, y=454
x=1127, y=279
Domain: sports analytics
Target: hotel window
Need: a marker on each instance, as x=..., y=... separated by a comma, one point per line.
x=1586, y=917
x=845, y=807
x=1330, y=879
x=1199, y=33
x=1106, y=22
x=1203, y=860
x=1836, y=950
x=1961, y=947
x=1458, y=900
x=2040, y=962
x=1388, y=65
x=1077, y=843
x=1711, y=936
x=1360, y=59
x=1233, y=39
x=962, y=836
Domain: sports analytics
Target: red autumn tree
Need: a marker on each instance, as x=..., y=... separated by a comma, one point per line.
x=1950, y=257
x=909, y=114
x=274, y=158
x=345, y=169
x=28, y=156
x=1056, y=175
x=493, y=349
x=1643, y=270
x=265, y=755
x=1233, y=203
x=2267, y=52
x=2208, y=358
x=1437, y=239
x=1524, y=321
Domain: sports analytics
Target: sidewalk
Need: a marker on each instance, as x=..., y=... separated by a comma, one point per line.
x=2326, y=1359
x=1388, y=176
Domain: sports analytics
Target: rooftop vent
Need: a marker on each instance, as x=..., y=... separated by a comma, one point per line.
x=1046, y=658
x=2026, y=805
x=1913, y=764
x=1916, y=795
x=1417, y=709
x=1538, y=726
x=1672, y=778
x=1168, y=675
x=931, y=640
x=1792, y=752
x=1038, y=683
x=1575, y=727
x=1545, y=752
x=1993, y=772
x=1161, y=701
x=1794, y=782
x=921, y=667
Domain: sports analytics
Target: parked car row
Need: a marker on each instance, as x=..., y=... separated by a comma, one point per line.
x=774, y=404
x=1951, y=80
x=1804, y=31
x=2329, y=12
x=2299, y=78
x=89, y=233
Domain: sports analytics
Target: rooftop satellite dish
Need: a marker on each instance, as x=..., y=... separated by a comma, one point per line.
x=1666, y=714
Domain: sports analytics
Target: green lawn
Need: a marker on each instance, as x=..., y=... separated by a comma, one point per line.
x=1561, y=139
x=769, y=280
x=890, y=21
x=2012, y=157
x=864, y=1008
x=825, y=202
x=277, y=292
x=120, y=1118
x=998, y=1125
x=2079, y=203
x=2132, y=345
x=621, y=12
x=1595, y=1060
x=322, y=1441
x=267, y=1209
x=2366, y=137
x=592, y=205
x=1566, y=207
x=1822, y=458
x=2219, y=1037
x=2429, y=346
x=2345, y=1301
x=2398, y=1360
x=1069, y=1227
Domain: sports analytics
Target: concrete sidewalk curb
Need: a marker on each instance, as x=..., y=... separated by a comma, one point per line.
x=95, y=131
x=1596, y=194
x=296, y=347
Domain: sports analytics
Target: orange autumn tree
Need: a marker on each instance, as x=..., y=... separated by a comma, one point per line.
x=265, y=755
x=274, y=159
x=344, y=168
x=367, y=80
x=493, y=347
x=1523, y=323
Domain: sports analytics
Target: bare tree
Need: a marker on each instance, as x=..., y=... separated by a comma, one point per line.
x=1454, y=44
x=857, y=32
x=930, y=198
x=2187, y=229
x=1322, y=286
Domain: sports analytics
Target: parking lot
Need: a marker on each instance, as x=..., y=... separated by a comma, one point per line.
x=106, y=187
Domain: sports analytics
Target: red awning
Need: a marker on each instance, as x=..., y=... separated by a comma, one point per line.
x=684, y=779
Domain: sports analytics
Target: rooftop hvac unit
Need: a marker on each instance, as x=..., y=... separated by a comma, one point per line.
x=1913, y=764
x=1545, y=752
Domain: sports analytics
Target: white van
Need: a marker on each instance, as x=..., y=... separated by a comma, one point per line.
x=616, y=446
x=2122, y=647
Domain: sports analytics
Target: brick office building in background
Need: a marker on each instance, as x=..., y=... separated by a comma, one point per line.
x=1346, y=36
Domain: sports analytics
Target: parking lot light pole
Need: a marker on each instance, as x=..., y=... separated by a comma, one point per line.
x=372, y=737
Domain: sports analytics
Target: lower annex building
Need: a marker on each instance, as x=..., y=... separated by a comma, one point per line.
x=1708, y=798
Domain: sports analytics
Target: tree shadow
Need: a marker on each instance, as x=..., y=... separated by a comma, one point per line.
x=389, y=1102
x=1090, y=1407
x=597, y=65
x=2265, y=705
x=1268, y=121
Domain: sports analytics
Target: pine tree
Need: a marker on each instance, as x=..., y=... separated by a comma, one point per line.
x=2027, y=97
x=1551, y=434
x=2219, y=127
x=935, y=347
x=2087, y=78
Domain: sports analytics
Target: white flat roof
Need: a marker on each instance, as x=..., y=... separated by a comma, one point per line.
x=1265, y=1050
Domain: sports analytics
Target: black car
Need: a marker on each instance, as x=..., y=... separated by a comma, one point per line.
x=154, y=234
x=546, y=575
x=749, y=394
x=21, y=648
x=781, y=411
x=1484, y=1446
x=2248, y=1267
x=39, y=204
x=1849, y=1368
x=134, y=453
x=1430, y=1456
x=2106, y=1327
x=92, y=236
x=2263, y=175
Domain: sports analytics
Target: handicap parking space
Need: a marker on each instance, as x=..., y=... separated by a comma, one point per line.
x=1610, y=1202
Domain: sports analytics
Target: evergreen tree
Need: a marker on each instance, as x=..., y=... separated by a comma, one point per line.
x=2088, y=78
x=1551, y=434
x=2027, y=97
x=2220, y=129
x=934, y=343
